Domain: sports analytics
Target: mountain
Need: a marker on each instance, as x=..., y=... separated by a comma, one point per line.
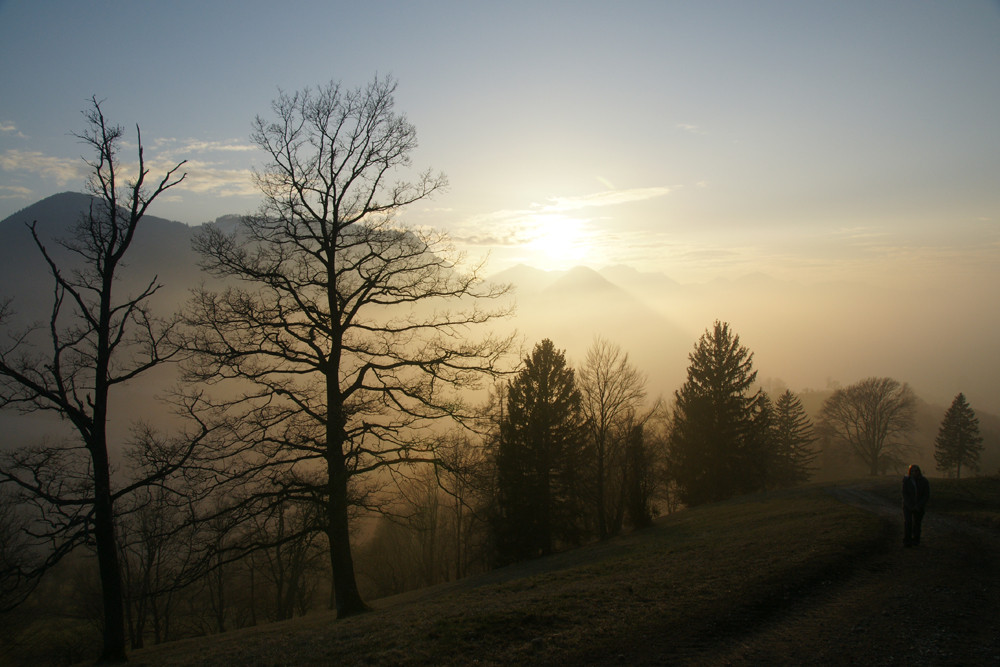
x=574, y=307
x=582, y=280
x=161, y=250
x=641, y=281
x=524, y=277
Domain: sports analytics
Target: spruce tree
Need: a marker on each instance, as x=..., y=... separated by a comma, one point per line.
x=793, y=441
x=958, y=442
x=541, y=459
x=718, y=442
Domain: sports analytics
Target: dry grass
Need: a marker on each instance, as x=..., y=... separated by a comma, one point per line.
x=695, y=575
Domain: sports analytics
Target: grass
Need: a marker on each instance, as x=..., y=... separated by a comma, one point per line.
x=693, y=574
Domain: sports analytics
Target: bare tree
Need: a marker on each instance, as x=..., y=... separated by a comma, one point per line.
x=289, y=565
x=351, y=332
x=613, y=391
x=466, y=478
x=873, y=417
x=95, y=340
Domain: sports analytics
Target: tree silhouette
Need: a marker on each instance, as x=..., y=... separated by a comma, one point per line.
x=793, y=437
x=350, y=331
x=716, y=442
x=95, y=340
x=958, y=441
x=873, y=417
x=639, y=482
x=612, y=390
x=541, y=458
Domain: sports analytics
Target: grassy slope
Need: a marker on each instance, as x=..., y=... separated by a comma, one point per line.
x=695, y=575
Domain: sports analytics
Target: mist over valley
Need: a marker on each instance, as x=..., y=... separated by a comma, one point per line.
x=810, y=339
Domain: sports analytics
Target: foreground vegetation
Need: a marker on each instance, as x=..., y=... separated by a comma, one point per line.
x=691, y=573
x=695, y=583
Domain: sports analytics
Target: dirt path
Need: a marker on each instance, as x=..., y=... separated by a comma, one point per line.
x=938, y=604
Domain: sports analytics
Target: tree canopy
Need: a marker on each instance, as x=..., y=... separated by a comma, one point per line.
x=347, y=332
x=958, y=443
x=716, y=440
x=541, y=459
x=873, y=417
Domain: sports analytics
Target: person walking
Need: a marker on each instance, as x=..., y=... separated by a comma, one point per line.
x=916, y=492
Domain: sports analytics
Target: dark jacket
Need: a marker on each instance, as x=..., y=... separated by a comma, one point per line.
x=916, y=492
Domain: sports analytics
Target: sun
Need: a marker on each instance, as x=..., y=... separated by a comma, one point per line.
x=558, y=242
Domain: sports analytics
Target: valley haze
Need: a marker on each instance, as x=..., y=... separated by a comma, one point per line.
x=942, y=340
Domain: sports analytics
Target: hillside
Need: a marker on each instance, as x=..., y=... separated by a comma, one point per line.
x=808, y=576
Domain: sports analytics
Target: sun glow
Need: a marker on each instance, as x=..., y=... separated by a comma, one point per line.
x=558, y=242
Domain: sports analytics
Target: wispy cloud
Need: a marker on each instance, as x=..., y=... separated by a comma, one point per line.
x=607, y=198
x=8, y=127
x=513, y=227
x=14, y=192
x=205, y=177
x=173, y=146
x=690, y=129
x=61, y=170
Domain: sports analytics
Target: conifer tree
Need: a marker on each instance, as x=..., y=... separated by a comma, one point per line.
x=716, y=443
x=541, y=459
x=958, y=442
x=793, y=441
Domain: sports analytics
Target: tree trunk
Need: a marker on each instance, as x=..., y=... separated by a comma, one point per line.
x=345, y=588
x=602, y=523
x=107, y=559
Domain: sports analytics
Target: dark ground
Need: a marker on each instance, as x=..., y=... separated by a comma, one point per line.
x=722, y=589
x=936, y=604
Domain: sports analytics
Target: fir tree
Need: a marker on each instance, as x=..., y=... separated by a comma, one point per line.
x=541, y=459
x=958, y=442
x=717, y=444
x=793, y=441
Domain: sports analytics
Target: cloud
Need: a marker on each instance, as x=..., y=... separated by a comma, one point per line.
x=202, y=176
x=210, y=178
x=515, y=227
x=171, y=146
x=690, y=129
x=14, y=192
x=8, y=127
x=607, y=198
x=61, y=170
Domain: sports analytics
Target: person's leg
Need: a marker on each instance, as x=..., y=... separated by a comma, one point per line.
x=907, y=527
x=918, y=518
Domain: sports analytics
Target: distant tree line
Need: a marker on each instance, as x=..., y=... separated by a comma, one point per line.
x=329, y=451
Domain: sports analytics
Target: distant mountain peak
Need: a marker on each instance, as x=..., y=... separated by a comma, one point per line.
x=581, y=279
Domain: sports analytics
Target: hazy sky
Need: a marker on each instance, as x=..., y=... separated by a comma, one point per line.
x=807, y=140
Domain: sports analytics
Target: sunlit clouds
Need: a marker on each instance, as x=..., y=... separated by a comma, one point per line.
x=212, y=173
x=58, y=169
x=558, y=234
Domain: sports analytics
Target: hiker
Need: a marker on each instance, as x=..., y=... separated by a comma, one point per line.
x=916, y=491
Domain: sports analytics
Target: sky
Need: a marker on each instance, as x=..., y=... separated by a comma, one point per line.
x=813, y=142
x=806, y=139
